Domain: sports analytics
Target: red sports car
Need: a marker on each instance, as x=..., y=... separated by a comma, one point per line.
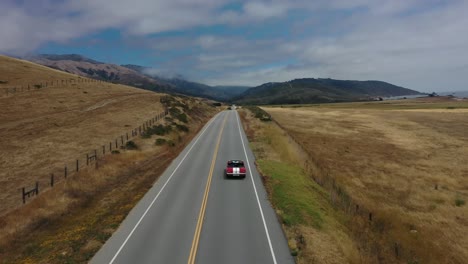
x=235, y=168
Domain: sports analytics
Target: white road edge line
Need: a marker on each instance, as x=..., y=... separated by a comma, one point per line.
x=256, y=194
x=162, y=188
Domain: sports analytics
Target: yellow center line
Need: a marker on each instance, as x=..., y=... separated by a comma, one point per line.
x=196, y=237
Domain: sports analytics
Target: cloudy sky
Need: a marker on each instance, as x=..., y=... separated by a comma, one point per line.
x=418, y=44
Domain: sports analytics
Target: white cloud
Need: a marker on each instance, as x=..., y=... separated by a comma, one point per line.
x=424, y=51
x=419, y=44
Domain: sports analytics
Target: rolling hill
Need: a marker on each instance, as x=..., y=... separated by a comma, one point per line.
x=298, y=91
x=220, y=93
x=43, y=128
x=55, y=128
x=133, y=75
x=80, y=65
x=310, y=90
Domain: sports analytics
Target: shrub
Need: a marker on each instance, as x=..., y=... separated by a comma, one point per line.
x=180, y=104
x=131, y=145
x=459, y=202
x=171, y=143
x=174, y=111
x=146, y=134
x=158, y=130
x=182, y=128
x=115, y=152
x=38, y=86
x=160, y=141
x=3, y=82
x=182, y=117
x=259, y=113
x=167, y=100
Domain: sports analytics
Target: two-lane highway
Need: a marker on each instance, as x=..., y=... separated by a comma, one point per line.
x=193, y=214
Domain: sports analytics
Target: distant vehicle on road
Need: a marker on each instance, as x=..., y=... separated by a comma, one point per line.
x=233, y=107
x=235, y=168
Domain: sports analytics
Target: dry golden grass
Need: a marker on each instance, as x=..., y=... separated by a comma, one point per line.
x=69, y=223
x=407, y=167
x=314, y=228
x=17, y=73
x=45, y=129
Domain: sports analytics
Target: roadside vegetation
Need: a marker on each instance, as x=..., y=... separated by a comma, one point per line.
x=393, y=172
x=314, y=228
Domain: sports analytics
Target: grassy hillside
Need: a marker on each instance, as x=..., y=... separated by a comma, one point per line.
x=302, y=91
x=44, y=129
x=80, y=65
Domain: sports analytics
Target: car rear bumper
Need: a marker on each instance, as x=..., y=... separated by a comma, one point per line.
x=239, y=175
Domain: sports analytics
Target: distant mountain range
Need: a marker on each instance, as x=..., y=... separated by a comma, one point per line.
x=221, y=93
x=292, y=92
x=134, y=75
x=310, y=90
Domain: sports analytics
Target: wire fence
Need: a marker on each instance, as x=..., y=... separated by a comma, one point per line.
x=38, y=85
x=364, y=218
x=88, y=159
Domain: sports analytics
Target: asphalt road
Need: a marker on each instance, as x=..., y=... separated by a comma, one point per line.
x=193, y=214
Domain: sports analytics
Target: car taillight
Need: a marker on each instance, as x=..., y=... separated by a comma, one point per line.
x=229, y=170
x=242, y=170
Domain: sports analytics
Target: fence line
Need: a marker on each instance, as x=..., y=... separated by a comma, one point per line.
x=38, y=85
x=92, y=157
x=340, y=198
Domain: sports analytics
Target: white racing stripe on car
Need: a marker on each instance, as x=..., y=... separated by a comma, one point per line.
x=236, y=170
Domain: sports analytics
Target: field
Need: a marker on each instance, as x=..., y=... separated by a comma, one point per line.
x=402, y=161
x=314, y=228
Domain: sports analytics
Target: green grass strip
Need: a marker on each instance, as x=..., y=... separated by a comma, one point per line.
x=293, y=193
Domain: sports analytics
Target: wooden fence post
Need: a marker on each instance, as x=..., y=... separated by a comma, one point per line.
x=127, y=136
x=51, y=180
x=37, y=188
x=121, y=139
x=110, y=146
x=65, y=171
x=87, y=159
x=77, y=165
x=103, y=150
x=116, y=146
x=24, y=196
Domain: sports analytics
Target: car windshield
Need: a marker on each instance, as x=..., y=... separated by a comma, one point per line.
x=235, y=164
